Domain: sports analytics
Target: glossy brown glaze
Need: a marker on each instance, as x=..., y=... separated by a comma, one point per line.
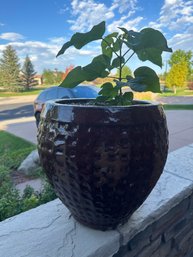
x=102, y=161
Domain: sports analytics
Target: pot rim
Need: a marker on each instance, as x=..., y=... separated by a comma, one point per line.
x=78, y=102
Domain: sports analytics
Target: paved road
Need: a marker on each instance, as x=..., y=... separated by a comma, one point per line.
x=16, y=107
x=176, y=100
x=15, y=111
x=180, y=123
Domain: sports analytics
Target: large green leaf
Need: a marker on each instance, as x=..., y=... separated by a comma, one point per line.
x=145, y=80
x=132, y=38
x=117, y=45
x=78, y=40
x=151, y=54
x=74, y=77
x=107, y=44
x=64, y=47
x=151, y=38
x=108, y=90
x=148, y=44
x=152, y=44
x=96, y=69
x=117, y=62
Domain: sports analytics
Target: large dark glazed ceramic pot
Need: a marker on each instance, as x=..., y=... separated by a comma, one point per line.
x=102, y=161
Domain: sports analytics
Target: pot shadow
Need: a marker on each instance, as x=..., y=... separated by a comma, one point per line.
x=18, y=112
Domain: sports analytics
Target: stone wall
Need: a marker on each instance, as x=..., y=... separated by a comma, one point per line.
x=161, y=227
x=171, y=235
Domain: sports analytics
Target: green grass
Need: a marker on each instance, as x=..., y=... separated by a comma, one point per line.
x=13, y=150
x=32, y=91
x=180, y=92
x=178, y=106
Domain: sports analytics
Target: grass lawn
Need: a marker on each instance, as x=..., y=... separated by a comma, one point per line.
x=32, y=91
x=13, y=150
x=178, y=106
x=180, y=92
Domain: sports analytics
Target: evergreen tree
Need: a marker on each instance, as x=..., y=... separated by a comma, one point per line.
x=10, y=69
x=28, y=73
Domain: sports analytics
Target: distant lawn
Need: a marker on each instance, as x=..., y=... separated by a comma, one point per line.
x=32, y=91
x=178, y=106
x=180, y=92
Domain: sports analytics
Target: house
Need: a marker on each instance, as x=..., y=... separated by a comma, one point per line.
x=39, y=79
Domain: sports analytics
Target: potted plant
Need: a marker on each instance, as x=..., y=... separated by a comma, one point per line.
x=104, y=156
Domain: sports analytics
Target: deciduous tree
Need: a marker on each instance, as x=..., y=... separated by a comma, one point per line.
x=182, y=56
x=52, y=77
x=126, y=71
x=67, y=70
x=177, y=75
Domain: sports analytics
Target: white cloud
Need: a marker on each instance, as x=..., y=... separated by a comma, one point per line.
x=124, y=5
x=11, y=36
x=170, y=2
x=43, y=55
x=57, y=40
x=176, y=21
x=181, y=41
x=88, y=13
x=175, y=14
x=124, y=22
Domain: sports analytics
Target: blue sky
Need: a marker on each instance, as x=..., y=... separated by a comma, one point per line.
x=39, y=28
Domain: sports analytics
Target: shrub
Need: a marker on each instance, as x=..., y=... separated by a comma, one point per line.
x=12, y=203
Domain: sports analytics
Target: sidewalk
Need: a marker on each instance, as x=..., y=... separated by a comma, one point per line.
x=22, y=127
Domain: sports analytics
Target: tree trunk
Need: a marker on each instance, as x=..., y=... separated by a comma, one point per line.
x=174, y=89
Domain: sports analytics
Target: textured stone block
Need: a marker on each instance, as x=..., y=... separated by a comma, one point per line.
x=149, y=250
x=164, y=196
x=180, y=163
x=50, y=231
x=175, y=229
x=136, y=244
x=170, y=219
x=164, y=250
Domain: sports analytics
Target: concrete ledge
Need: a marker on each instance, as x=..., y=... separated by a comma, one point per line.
x=50, y=231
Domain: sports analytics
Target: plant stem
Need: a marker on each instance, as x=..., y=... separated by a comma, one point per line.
x=128, y=59
x=126, y=52
x=120, y=71
x=110, y=47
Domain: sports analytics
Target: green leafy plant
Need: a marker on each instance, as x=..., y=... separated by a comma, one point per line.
x=117, y=50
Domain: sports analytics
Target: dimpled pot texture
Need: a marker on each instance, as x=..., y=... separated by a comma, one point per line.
x=102, y=161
